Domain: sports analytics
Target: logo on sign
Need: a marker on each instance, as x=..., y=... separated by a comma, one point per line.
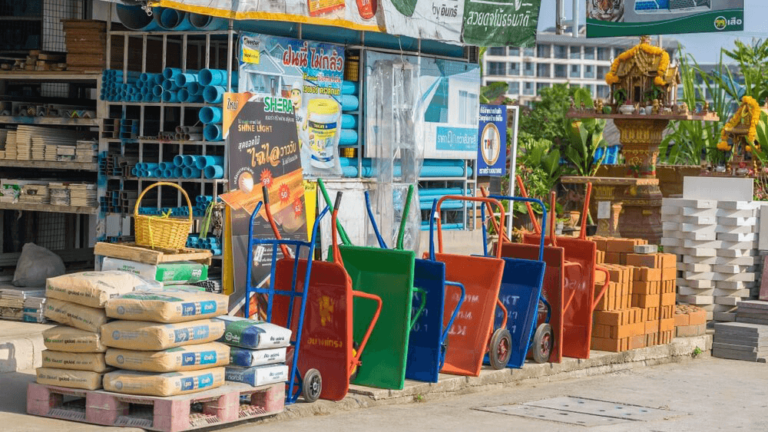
x=721, y=22
x=491, y=144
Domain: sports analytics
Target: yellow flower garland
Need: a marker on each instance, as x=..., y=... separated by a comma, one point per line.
x=612, y=78
x=750, y=107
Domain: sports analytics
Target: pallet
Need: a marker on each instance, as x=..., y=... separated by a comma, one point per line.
x=229, y=403
x=132, y=252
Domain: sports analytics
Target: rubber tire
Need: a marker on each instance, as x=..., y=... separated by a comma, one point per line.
x=541, y=332
x=312, y=385
x=498, y=337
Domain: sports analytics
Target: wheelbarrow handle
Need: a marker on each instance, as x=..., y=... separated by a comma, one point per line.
x=422, y=305
x=271, y=219
x=585, y=212
x=377, y=299
x=382, y=244
x=524, y=194
x=604, y=288
x=504, y=310
x=455, y=311
x=543, y=217
x=344, y=238
x=249, y=263
x=404, y=218
x=465, y=199
x=334, y=230
x=503, y=234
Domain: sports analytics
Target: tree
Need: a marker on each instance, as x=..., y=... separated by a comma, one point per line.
x=546, y=118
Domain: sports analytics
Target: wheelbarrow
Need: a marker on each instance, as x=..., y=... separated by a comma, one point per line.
x=521, y=293
x=472, y=335
x=322, y=329
x=427, y=341
x=579, y=297
x=386, y=273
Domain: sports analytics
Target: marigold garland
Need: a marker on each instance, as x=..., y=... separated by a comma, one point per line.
x=750, y=107
x=611, y=77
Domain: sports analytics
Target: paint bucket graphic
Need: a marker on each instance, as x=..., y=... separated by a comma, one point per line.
x=321, y=129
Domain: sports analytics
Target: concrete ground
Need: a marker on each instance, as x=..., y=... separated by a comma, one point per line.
x=701, y=395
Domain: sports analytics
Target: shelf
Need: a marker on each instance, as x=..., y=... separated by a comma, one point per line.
x=197, y=218
x=165, y=104
x=151, y=141
x=69, y=76
x=79, y=166
x=172, y=180
x=50, y=121
x=49, y=208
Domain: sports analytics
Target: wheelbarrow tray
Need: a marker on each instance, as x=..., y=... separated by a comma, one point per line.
x=520, y=292
x=578, y=293
x=470, y=333
x=552, y=289
x=326, y=341
x=388, y=274
x=424, y=344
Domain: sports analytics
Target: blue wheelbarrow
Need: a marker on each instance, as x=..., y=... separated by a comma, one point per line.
x=427, y=343
x=521, y=294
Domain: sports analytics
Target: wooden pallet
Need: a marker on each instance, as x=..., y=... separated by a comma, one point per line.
x=229, y=403
x=132, y=252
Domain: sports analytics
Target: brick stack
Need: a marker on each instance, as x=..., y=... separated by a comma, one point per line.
x=654, y=291
x=690, y=321
x=616, y=249
x=716, y=244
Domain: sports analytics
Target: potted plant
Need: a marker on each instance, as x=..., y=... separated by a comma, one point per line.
x=620, y=96
x=650, y=96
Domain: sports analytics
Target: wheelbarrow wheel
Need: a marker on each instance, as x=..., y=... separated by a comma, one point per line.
x=500, y=349
x=312, y=385
x=542, y=343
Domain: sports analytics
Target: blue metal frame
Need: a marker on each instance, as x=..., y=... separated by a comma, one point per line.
x=294, y=380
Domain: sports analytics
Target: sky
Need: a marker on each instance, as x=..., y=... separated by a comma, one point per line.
x=700, y=45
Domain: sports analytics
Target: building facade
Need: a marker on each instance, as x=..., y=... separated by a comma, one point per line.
x=558, y=59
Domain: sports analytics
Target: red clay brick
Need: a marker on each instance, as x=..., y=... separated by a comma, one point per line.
x=637, y=342
x=668, y=260
x=642, y=260
x=667, y=325
x=682, y=320
x=698, y=318
x=669, y=273
x=620, y=245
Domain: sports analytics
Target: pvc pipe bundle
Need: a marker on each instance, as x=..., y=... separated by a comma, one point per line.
x=138, y=87
x=194, y=166
x=349, y=102
x=211, y=243
x=431, y=168
x=201, y=204
x=135, y=18
x=189, y=133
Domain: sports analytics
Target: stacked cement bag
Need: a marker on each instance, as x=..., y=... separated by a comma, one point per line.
x=75, y=355
x=164, y=342
x=172, y=273
x=258, y=351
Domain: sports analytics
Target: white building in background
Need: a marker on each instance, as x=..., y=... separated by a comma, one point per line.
x=558, y=59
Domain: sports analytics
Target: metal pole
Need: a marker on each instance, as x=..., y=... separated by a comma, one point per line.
x=576, y=18
x=559, y=18
x=512, y=163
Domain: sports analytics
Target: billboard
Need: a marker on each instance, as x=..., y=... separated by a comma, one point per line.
x=606, y=18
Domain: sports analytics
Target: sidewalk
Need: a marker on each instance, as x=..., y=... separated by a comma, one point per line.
x=20, y=345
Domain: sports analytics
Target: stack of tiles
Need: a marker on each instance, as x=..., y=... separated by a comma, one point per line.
x=654, y=292
x=746, y=339
x=690, y=321
x=716, y=244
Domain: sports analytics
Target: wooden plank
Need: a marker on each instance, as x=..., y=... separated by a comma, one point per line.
x=48, y=208
x=132, y=252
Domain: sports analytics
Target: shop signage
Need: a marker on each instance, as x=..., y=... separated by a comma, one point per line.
x=501, y=22
x=606, y=18
x=492, y=141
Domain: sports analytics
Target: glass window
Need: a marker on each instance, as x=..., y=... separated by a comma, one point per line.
x=603, y=53
x=575, y=52
x=602, y=71
x=561, y=71
x=528, y=89
x=514, y=69
x=591, y=88
x=514, y=51
x=603, y=91
x=543, y=70
x=540, y=86
x=575, y=71
x=589, y=53
x=496, y=51
x=468, y=107
x=542, y=51
x=561, y=52
x=514, y=88
x=528, y=71
x=617, y=52
x=589, y=71
x=497, y=69
x=528, y=52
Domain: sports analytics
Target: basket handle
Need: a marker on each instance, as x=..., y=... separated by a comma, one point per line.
x=154, y=185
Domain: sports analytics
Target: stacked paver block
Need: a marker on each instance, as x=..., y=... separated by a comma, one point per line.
x=746, y=339
x=716, y=245
x=690, y=321
x=616, y=325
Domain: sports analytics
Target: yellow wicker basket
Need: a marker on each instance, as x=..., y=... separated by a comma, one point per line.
x=162, y=232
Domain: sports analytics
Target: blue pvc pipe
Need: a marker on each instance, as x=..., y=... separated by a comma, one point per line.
x=444, y=227
x=215, y=77
x=189, y=161
x=176, y=20
x=183, y=95
x=184, y=79
x=170, y=97
x=348, y=121
x=427, y=171
x=204, y=162
x=195, y=89
x=212, y=132
x=170, y=85
x=190, y=173
x=159, y=78
x=350, y=88
x=425, y=193
x=207, y=22
x=135, y=171
x=214, y=94
x=348, y=137
x=168, y=173
x=134, y=18
x=157, y=90
x=178, y=160
x=349, y=102
x=178, y=172
x=427, y=162
x=214, y=172
x=210, y=115
x=171, y=73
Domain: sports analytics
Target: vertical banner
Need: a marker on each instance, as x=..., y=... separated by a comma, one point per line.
x=263, y=151
x=492, y=141
x=655, y=17
x=309, y=75
x=501, y=22
x=424, y=19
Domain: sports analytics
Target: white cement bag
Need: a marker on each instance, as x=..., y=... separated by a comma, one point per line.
x=246, y=357
x=68, y=339
x=173, y=273
x=35, y=265
x=195, y=357
x=93, y=362
x=170, y=305
x=149, y=336
x=258, y=375
x=166, y=384
x=95, y=288
x=75, y=315
x=246, y=333
x=69, y=378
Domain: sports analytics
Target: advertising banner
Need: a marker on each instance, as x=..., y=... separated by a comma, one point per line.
x=606, y=18
x=492, y=141
x=263, y=151
x=307, y=76
x=501, y=22
x=425, y=19
x=351, y=14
